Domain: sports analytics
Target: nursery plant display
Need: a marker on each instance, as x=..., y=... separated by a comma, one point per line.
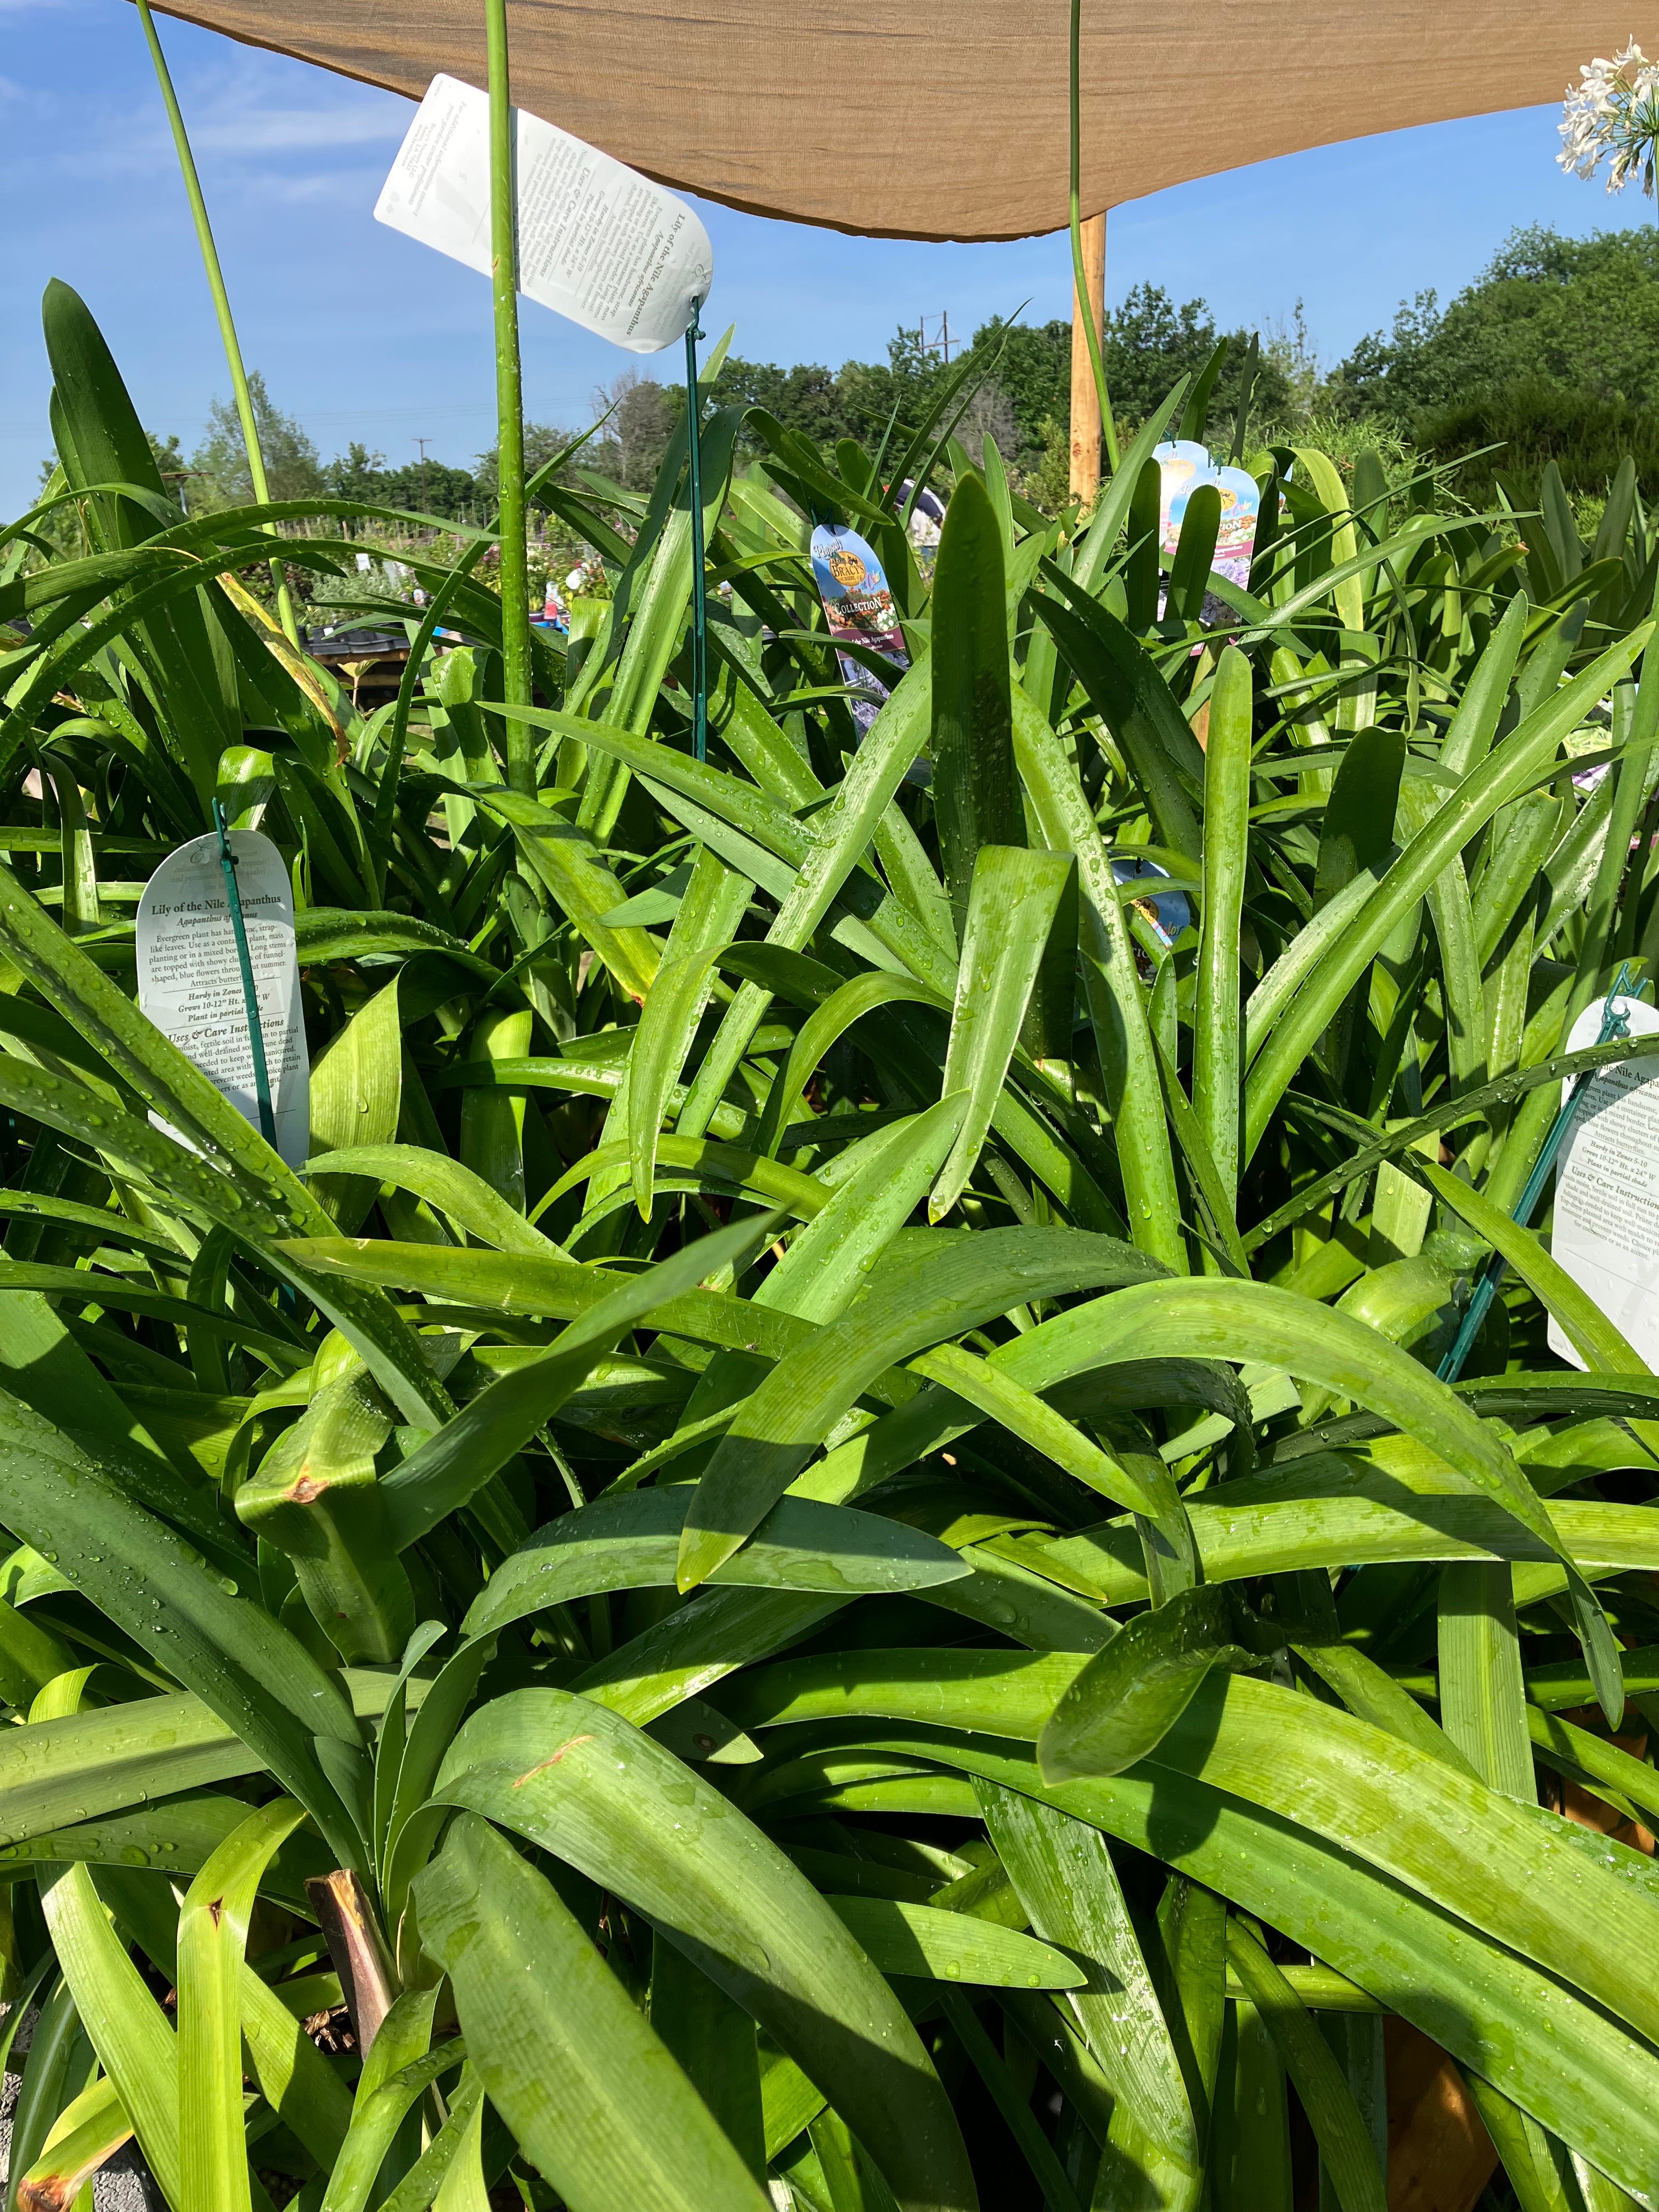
x=820, y=1557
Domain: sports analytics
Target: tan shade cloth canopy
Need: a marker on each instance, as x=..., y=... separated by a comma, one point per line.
x=947, y=118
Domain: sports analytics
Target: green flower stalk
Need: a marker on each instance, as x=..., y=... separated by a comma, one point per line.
x=215, y=276
x=1079, y=276
x=509, y=402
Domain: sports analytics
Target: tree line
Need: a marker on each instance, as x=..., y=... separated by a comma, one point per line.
x=1550, y=353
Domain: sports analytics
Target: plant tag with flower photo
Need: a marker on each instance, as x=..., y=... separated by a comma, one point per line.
x=598, y=242
x=1240, y=505
x=859, y=610
x=1605, y=1231
x=1182, y=463
x=190, y=980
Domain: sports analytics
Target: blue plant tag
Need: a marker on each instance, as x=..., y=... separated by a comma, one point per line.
x=860, y=610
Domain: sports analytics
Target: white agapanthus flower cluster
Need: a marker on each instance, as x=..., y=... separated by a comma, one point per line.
x=1613, y=115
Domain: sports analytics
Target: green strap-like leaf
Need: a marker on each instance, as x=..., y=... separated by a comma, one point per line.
x=1010, y=907
x=1111, y=988
x=238, y=1659
x=212, y=1943
x=86, y=2137
x=579, y=1782
x=1582, y=2075
x=1599, y=1343
x=584, y=2082
x=828, y=1262
x=443, y=1473
x=1216, y=1041
x=631, y=1541
x=1065, y=1878
x=1344, y=2149
x=398, y=2067
x=1129, y=1696
x=248, y=1189
x=975, y=794
x=794, y=1406
x=454, y=1189
x=127, y=2027
x=1513, y=769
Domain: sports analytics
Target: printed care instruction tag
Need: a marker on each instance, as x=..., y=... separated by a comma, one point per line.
x=189, y=981
x=1607, y=1190
x=598, y=242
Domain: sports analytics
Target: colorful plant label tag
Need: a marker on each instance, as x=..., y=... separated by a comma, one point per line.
x=1240, y=506
x=598, y=242
x=190, y=979
x=1181, y=463
x=860, y=610
x=1606, y=1232
x=925, y=526
x=1166, y=914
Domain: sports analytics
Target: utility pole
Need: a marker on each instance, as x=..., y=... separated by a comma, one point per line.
x=1086, y=426
x=422, y=443
x=941, y=342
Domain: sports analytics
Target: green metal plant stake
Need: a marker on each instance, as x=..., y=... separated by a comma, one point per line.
x=1490, y=1280
x=255, y=1034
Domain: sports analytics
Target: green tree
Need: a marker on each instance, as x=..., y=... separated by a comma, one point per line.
x=542, y=443
x=1027, y=372
x=218, y=468
x=356, y=473
x=641, y=422
x=805, y=398
x=1581, y=315
x=170, y=463
x=429, y=487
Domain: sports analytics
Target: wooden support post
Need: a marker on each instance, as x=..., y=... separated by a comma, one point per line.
x=1086, y=399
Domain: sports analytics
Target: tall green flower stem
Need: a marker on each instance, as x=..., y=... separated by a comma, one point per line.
x=1084, y=304
x=215, y=276
x=509, y=404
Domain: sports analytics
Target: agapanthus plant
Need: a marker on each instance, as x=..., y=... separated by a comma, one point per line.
x=1613, y=115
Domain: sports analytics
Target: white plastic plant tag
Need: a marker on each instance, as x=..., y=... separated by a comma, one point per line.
x=189, y=981
x=1607, y=1190
x=598, y=242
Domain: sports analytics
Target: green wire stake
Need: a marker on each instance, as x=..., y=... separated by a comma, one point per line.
x=256, y=1035
x=699, y=587
x=1614, y=1024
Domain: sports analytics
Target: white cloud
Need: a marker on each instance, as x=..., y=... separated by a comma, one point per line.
x=234, y=128
x=321, y=187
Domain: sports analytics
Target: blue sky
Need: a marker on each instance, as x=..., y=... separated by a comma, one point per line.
x=362, y=333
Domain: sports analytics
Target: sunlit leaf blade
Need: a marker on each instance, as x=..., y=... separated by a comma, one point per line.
x=580, y=1782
